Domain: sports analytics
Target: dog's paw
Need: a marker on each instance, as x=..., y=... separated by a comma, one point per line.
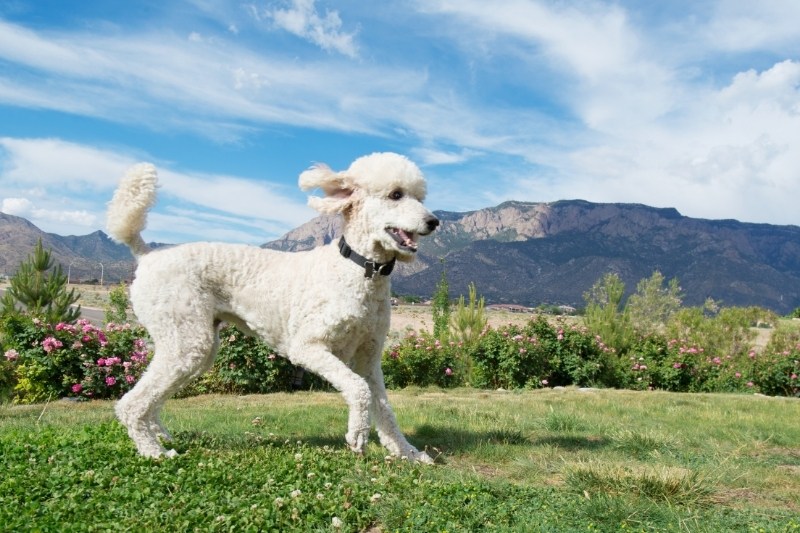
x=357, y=440
x=420, y=457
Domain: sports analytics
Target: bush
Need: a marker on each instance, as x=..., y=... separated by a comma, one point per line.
x=47, y=362
x=680, y=366
x=540, y=354
x=245, y=365
x=778, y=372
x=423, y=360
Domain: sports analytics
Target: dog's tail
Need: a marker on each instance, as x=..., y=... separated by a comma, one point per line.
x=127, y=210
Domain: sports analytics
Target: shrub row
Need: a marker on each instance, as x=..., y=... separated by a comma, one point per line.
x=45, y=362
x=541, y=354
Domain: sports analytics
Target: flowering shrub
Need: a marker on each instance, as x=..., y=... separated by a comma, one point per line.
x=679, y=366
x=80, y=360
x=540, y=354
x=778, y=373
x=421, y=359
x=245, y=365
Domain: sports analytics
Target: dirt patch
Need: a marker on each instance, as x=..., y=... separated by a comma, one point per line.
x=420, y=318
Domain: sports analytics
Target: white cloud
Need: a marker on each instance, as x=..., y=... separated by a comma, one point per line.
x=20, y=207
x=429, y=156
x=744, y=26
x=303, y=20
x=48, y=162
x=75, y=181
x=49, y=219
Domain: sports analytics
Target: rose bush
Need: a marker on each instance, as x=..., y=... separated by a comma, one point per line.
x=44, y=362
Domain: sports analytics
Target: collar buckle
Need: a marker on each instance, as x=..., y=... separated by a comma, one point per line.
x=371, y=268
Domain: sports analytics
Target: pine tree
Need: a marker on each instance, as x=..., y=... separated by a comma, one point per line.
x=40, y=288
x=441, y=307
x=469, y=319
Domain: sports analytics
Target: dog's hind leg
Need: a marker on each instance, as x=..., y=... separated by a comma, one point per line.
x=178, y=359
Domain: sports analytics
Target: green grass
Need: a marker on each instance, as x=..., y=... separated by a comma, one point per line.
x=550, y=460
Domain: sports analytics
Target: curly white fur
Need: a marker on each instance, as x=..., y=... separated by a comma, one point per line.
x=316, y=308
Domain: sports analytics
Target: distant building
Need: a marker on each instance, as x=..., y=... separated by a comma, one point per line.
x=511, y=308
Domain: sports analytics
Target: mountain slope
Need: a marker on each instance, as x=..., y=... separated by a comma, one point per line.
x=526, y=253
x=532, y=253
x=80, y=256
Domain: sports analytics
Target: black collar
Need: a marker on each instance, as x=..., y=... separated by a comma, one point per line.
x=371, y=268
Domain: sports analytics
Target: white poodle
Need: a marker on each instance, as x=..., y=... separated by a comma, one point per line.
x=326, y=309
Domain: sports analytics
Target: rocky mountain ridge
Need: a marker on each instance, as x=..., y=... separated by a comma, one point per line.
x=526, y=253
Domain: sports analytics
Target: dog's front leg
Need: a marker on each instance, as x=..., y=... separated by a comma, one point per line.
x=391, y=436
x=318, y=359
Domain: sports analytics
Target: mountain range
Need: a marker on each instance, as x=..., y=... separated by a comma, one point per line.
x=527, y=253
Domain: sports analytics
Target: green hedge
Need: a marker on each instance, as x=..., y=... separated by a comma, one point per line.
x=43, y=362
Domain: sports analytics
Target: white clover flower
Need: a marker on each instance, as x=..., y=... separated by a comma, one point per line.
x=296, y=493
x=298, y=457
x=336, y=522
x=278, y=502
x=375, y=497
x=320, y=496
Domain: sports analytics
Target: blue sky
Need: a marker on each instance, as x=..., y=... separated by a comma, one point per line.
x=690, y=104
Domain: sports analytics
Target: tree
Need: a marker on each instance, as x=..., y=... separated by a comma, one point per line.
x=469, y=320
x=441, y=307
x=40, y=288
x=651, y=307
x=117, y=308
x=604, y=313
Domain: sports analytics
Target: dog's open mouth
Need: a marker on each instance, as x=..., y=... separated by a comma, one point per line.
x=404, y=239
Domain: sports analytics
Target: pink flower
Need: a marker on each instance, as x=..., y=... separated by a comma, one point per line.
x=12, y=354
x=448, y=372
x=76, y=388
x=101, y=362
x=749, y=383
x=793, y=376
x=545, y=382
x=51, y=343
x=738, y=374
x=677, y=365
x=130, y=379
x=522, y=350
x=111, y=381
x=717, y=361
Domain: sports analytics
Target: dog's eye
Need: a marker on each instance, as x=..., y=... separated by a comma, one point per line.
x=396, y=195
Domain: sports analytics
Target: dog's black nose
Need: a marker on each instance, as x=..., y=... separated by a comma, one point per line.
x=432, y=223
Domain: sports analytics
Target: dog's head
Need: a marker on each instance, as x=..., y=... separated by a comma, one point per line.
x=380, y=196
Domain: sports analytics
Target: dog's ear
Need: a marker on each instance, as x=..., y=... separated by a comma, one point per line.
x=337, y=186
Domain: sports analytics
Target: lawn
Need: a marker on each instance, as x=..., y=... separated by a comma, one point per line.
x=545, y=460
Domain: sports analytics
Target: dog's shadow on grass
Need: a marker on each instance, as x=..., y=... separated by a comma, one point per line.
x=440, y=441
x=449, y=440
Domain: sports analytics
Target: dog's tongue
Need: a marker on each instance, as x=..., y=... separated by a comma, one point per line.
x=407, y=240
